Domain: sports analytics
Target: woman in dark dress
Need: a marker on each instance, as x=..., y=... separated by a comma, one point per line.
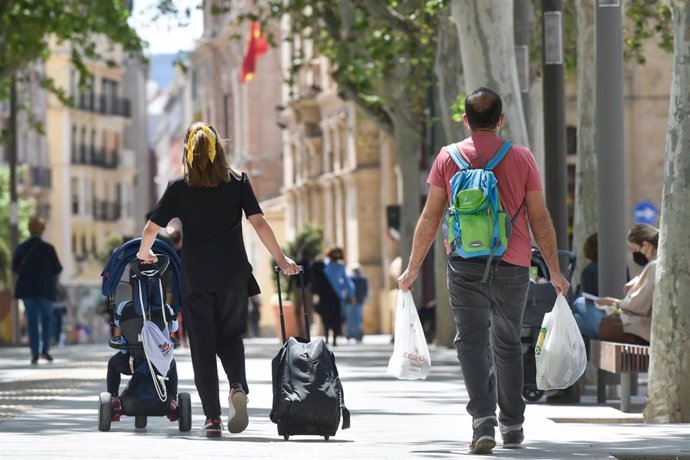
x=334, y=288
x=217, y=278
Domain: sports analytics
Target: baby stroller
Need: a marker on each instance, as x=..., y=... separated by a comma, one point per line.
x=145, y=322
x=541, y=296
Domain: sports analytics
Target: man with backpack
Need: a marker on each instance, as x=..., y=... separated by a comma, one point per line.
x=493, y=193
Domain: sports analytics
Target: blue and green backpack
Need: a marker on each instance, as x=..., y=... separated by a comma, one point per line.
x=477, y=225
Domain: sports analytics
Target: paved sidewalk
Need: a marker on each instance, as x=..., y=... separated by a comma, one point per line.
x=50, y=411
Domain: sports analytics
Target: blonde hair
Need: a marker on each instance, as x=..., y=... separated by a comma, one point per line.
x=640, y=233
x=204, y=170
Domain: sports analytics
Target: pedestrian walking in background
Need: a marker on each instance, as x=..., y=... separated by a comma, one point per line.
x=488, y=309
x=334, y=288
x=355, y=308
x=36, y=267
x=217, y=278
x=61, y=307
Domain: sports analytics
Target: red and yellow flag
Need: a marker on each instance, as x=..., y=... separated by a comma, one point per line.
x=256, y=46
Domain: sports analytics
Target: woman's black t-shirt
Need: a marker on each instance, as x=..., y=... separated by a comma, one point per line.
x=213, y=253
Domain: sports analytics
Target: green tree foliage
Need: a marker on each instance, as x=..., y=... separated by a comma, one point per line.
x=26, y=210
x=647, y=20
x=112, y=242
x=27, y=26
x=643, y=21
x=5, y=259
x=309, y=241
x=367, y=43
x=381, y=55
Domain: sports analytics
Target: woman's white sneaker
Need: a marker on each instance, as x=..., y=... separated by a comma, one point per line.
x=238, y=418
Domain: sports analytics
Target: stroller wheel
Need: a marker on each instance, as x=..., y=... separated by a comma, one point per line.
x=184, y=411
x=532, y=394
x=105, y=412
x=140, y=421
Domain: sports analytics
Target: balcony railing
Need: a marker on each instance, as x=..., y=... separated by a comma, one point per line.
x=34, y=176
x=88, y=155
x=107, y=211
x=103, y=104
x=41, y=177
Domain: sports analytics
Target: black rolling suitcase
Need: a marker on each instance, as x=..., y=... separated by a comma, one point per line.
x=307, y=393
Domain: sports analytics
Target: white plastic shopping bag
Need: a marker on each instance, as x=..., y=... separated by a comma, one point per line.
x=560, y=350
x=410, y=360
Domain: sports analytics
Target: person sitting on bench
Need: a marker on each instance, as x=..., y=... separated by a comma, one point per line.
x=632, y=319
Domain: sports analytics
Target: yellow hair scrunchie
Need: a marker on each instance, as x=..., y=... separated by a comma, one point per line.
x=192, y=140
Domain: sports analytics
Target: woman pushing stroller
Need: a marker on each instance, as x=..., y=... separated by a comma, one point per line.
x=217, y=278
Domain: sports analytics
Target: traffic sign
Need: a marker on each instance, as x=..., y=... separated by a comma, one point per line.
x=645, y=212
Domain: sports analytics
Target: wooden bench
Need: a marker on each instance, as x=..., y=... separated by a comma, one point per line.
x=618, y=358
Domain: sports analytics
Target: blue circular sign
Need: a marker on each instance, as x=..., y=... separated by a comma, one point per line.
x=645, y=212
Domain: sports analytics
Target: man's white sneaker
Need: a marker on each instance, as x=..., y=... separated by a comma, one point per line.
x=238, y=419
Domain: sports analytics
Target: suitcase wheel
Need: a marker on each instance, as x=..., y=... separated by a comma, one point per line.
x=286, y=437
x=326, y=438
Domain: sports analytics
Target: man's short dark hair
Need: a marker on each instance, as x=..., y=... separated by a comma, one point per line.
x=483, y=108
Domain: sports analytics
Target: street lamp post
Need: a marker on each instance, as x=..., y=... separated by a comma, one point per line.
x=522, y=17
x=610, y=148
x=554, y=119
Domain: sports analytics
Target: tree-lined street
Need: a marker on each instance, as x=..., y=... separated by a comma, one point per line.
x=337, y=110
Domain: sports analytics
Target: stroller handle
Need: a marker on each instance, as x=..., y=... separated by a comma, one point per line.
x=150, y=270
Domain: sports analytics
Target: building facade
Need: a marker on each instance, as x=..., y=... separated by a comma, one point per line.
x=243, y=113
x=173, y=113
x=340, y=175
x=93, y=178
x=136, y=138
x=34, y=168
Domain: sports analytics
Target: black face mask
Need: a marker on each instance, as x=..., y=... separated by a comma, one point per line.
x=639, y=258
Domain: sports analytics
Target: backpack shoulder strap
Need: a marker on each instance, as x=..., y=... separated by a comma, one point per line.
x=457, y=157
x=502, y=151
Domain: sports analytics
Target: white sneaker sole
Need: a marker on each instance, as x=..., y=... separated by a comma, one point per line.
x=238, y=419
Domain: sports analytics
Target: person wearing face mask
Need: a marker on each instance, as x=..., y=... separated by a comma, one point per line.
x=632, y=319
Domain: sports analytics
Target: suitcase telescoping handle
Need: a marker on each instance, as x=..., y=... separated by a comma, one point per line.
x=276, y=269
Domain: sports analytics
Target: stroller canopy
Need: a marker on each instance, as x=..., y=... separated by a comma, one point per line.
x=126, y=254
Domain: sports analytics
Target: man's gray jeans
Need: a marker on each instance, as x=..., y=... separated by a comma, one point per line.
x=493, y=307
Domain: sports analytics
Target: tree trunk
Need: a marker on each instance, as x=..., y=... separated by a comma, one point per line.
x=487, y=46
x=669, y=369
x=451, y=84
x=585, y=222
x=451, y=81
x=408, y=146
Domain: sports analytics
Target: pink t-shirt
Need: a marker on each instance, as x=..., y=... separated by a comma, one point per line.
x=517, y=174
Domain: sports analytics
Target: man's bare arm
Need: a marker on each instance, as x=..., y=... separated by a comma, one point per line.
x=424, y=234
x=545, y=235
